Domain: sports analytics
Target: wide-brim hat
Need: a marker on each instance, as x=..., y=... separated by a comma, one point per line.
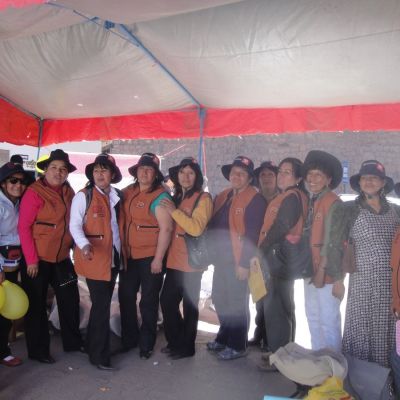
x=10, y=168
x=149, y=160
x=327, y=162
x=239, y=161
x=266, y=165
x=104, y=159
x=57, y=155
x=186, y=162
x=375, y=168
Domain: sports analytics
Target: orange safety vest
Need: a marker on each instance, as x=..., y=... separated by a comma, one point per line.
x=50, y=230
x=177, y=253
x=141, y=225
x=97, y=229
x=236, y=215
x=273, y=210
x=321, y=209
x=395, y=264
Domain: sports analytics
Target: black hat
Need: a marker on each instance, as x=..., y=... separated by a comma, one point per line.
x=149, y=160
x=10, y=168
x=57, y=155
x=397, y=189
x=371, y=167
x=268, y=165
x=327, y=162
x=239, y=161
x=17, y=159
x=104, y=159
x=187, y=161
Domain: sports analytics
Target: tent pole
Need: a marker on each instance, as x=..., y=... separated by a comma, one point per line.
x=40, y=120
x=135, y=41
x=202, y=117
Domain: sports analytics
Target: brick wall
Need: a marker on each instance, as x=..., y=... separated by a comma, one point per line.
x=354, y=147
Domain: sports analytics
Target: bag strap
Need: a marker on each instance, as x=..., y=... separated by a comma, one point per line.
x=198, y=200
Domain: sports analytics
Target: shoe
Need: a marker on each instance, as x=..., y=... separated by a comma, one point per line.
x=254, y=342
x=265, y=356
x=179, y=355
x=44, y=359
x=11, y=361
x=230, y=354
x=104, y=367
x=215, y=346
x=266, y=366
x=166, y=350
x=145, y=354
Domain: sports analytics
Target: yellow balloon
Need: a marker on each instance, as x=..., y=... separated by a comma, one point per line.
x=16, y=304
x=2, y=297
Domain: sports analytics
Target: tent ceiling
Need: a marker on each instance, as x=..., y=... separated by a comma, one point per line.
x=250, y=54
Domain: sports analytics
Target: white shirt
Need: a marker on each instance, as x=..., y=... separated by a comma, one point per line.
x=78, y=209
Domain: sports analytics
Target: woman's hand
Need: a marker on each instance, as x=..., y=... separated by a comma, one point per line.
x=156, y=266
x=338, y=290
x=32, y=270
x=168, y=205
x=241, y=273
x=255, y=264
x=87, y=252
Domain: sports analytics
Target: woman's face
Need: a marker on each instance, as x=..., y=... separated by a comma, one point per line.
x=286, y=176
x=102, y=176
x=56, y=173
x=371, y=184
x=317, y=181
x=14, y=186
x=186, y=178
x=146, y=175
x=239, y=178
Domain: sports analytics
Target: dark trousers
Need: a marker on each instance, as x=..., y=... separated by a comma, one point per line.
x=279, y=313
x=231, y=300
x=181, y=332
x=5, y=324
x=138, y=275
x=98, y=330
x=36, y=320
x=259, y=331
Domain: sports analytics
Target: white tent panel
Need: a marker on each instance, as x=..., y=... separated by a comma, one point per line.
x=84, y=70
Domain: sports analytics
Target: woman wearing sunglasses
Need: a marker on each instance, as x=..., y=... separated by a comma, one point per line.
x=13, y=182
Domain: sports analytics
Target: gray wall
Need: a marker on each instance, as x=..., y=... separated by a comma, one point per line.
x=354, y=147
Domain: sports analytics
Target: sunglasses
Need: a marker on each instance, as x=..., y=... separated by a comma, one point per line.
x=14, y=181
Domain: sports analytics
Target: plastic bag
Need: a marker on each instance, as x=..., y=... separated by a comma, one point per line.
x=331, y=389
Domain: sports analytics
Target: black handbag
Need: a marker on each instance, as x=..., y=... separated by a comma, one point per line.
x=289, y=260
x=196, y=246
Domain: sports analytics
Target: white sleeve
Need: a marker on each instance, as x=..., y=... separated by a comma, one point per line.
x=78, y=209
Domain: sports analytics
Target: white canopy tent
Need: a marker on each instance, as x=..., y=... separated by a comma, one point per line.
x=96, y=69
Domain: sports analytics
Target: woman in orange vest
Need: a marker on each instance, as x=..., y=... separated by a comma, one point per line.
x=191, y=209
x=13, y=182
x=46, y=244
x=325, y=290
x=147, y=237
x=284, y=220
x=234, y=230
x=370, y=223
x=96, y=224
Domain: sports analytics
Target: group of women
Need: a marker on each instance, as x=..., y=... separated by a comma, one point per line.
x=139, y=233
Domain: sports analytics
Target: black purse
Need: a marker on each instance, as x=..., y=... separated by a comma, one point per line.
x=196, y=246
x=291, y=261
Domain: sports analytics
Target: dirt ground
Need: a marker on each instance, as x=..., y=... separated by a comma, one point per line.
x=202, y=377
